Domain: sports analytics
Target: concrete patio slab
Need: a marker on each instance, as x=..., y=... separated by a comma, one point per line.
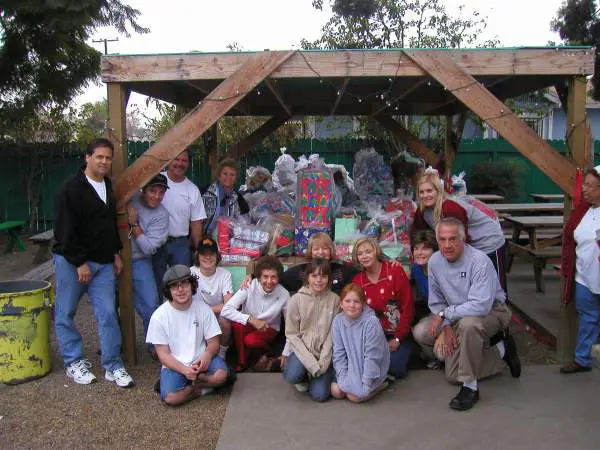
x=541, y=410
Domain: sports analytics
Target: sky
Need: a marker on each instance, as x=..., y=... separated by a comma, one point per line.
x=178, y=26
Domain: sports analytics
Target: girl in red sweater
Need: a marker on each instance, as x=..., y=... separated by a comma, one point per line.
x=388, y=293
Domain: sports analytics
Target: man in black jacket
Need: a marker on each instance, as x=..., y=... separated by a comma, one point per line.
x=86, y=259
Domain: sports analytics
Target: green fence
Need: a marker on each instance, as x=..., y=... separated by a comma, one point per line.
x=38, y=171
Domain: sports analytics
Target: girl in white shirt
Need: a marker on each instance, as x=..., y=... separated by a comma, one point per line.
x=214, y=286
x=256, y=312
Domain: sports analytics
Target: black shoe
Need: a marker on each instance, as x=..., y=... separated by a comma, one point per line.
x=574, y=367
x=511, y=358
x=157, y=386
x=465, y=399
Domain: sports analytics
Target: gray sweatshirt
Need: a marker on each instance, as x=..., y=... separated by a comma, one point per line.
x=154, y=222
x=467, y=287
x=361, y=356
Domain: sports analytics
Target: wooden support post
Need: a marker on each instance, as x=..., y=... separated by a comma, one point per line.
x=410, y=139
x=577, y=151
x=117, y=106
x=237, y=151
x=224, y=97
x=496, y=114
x=211, y=146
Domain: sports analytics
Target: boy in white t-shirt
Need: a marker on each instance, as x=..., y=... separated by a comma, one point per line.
x=214, y=286
x=185, y=334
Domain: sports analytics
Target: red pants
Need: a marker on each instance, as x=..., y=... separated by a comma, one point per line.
x=248, y=340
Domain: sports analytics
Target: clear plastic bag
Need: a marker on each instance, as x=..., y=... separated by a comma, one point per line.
x=284, y=174
x=373, y=179
x=265, y=204
x=459, y=185
x=257, y=179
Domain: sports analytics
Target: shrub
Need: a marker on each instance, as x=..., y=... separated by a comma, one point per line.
x=495, y=177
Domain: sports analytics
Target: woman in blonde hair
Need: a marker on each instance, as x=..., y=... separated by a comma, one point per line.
x=481, y=223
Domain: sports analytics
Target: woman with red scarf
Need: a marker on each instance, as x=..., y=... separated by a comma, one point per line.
x=581, y=266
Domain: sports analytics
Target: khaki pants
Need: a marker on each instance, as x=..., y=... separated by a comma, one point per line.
x=474, y=359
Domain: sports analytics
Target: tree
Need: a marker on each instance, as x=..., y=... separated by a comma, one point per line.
x=44, y=59
x=578, y=23
x=398, y=24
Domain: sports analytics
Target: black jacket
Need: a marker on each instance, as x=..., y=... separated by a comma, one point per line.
x=85, y=227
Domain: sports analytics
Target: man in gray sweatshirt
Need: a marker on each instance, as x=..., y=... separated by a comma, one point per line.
x=468, y=307
x=148, y=228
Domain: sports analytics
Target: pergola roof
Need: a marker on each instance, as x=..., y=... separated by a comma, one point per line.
x=347, y=82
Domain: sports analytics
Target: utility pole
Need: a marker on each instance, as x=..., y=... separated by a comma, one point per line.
x=106, y=41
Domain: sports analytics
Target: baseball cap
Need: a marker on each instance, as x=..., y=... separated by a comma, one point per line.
x=176, y=273
x=158, y=180
x=208, y=246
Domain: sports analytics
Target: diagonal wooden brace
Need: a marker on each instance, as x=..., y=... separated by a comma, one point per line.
x=415, y=144
x=224, y=97
x=497, y=115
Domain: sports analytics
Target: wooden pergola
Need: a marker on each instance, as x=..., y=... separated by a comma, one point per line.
x=376, y=83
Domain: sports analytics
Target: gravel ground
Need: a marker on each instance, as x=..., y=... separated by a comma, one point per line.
x=55, y=413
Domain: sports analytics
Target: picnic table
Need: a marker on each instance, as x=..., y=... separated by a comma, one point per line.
x=488, y=198
x=537, y=251
x=527, y=208
x=12, y=227
x=548, y=197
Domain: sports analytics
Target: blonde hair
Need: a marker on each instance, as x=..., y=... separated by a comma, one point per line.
x=434, y=180
x=320, y=240
x=366, y=240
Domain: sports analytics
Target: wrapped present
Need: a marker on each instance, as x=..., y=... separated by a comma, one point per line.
x=245, y=251
x=224, y=231
x=250, y=233
x=302, y=235
x=235, y=259
x=346, y=229
x=314, y=197
x=246, y=244
x=343, y=251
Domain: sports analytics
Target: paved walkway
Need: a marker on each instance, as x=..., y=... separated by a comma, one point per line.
x=541, y=410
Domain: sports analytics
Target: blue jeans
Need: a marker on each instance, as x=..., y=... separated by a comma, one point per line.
x=174, y=251
x=101, y=290
x=145, y=295
x=399, y=358
x=172, y=381
x=319, y=389
x=588, y=308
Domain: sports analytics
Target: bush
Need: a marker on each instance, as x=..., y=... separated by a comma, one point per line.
x=495, y=177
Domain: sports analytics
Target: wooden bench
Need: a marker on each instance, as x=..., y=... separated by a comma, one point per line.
x=539, y=257
x=43, y=241
x=43, y=272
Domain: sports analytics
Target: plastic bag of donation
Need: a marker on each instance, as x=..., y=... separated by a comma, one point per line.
x=373, y=180
x=459, y=185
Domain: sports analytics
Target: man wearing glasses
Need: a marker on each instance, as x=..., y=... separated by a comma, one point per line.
x=185, y=334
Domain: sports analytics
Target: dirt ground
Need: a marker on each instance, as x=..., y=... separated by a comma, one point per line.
x=55, y=413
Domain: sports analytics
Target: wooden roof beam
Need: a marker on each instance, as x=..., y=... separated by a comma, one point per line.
x=343, y=63
x=497, y=115
x=224, y=97
x=410, y=139
x=238, y=150
x=339, y=94
x=278, y=96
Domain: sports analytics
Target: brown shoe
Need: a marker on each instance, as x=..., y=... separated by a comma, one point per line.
x=574, y=367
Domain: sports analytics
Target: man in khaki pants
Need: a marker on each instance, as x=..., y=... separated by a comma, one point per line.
x=468, y=308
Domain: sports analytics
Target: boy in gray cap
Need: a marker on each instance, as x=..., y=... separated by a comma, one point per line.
x=185, y=334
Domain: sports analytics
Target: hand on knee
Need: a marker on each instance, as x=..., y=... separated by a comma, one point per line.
x=336, y=391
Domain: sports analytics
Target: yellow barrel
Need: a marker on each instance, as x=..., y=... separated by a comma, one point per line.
x=24, y=330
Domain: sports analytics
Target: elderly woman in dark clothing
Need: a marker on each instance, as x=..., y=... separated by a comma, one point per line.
x=581, y=265
x=220, y=198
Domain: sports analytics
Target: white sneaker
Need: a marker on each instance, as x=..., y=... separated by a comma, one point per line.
x=301, y=387
x=79, y=372
x=119, y=376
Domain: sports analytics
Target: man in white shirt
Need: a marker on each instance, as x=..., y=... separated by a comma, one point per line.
x=186, y=216
x=185, y=334
x=262, y=304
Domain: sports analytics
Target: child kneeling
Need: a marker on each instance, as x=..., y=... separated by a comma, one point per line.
x=361, y=357
x=262, y=305
x=185, y=334
x=308, y=331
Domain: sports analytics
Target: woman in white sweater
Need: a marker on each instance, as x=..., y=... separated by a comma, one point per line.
x=256, y=312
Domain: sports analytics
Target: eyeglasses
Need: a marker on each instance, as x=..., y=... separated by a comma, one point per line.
x=179, y=284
